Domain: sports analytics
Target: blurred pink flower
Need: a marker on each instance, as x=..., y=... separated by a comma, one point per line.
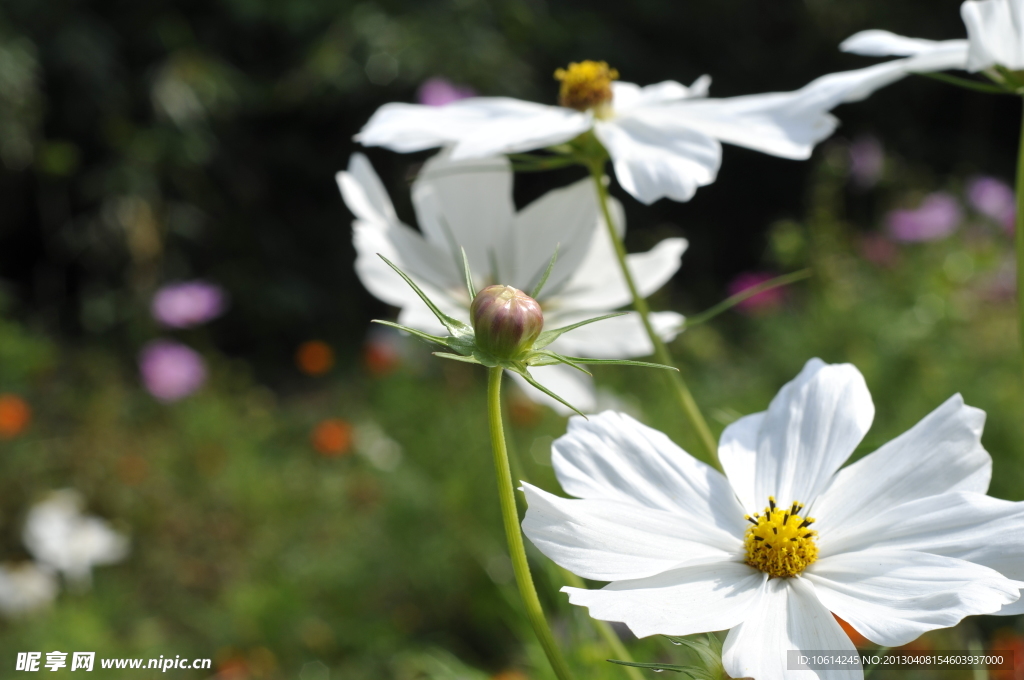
x=170, y=370
x=440, y=91
x=993, y=198
x=867, y=160
x=764, y=301
x=937, y=217
x=188, y=303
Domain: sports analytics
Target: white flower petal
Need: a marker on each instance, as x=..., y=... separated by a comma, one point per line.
x=565, y=218
x=598, y=283
x=788, y=616
x=940, y=454
x=661, y=159
x=575, y=387
x=479, y=126
x=612, y=541
x=893, y=596
x=467, y=204
x=786, y=124
x=965, y=525
x=877, y=43
x=629, y=96
x=737, y=451
x=692, y=599
x=621, y=337
x=364, y=193
x=613, y=457
x=995, y=29
x=811, y=427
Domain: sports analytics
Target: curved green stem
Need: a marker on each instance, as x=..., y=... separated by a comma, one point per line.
x=680, y=391
x=1020, y=232
x=510, y=517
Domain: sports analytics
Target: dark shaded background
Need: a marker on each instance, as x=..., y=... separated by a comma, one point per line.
x=145, y=142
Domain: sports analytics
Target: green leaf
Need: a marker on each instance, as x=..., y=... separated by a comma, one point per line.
x=547, y=273
x=695, y=672
x=548, y=337
x=733, y=300
x=611, y=362
x=708, y=648
x=436, y=339
x=456, y=357
x=529, y=378
x=469, y=275
x=454, y=326
x=966, y=83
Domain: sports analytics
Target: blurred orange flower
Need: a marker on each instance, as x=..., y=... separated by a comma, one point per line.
x=314, y=357
x=332, y=437
x=381, y=358
x=856, y=638
x=509, y=675
x=1008, y=640
x=15, y=415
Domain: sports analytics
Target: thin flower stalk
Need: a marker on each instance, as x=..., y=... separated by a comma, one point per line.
x=510, y=518
x=687, y=404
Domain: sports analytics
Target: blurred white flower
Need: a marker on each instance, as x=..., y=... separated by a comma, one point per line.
x=904, y=541
x=995, y=37
x=60, y=536
x=468, y=204
x=663, y=139
x=25, y=588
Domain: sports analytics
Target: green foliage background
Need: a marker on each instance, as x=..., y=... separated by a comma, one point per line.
x=146, y=142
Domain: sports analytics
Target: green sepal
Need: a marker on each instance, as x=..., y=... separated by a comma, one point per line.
x=454, y=326
x=547, y=273
x=620, y=362
x=544, y=358
x=521, y=370
x=733, y=300
x=695, y=672
x=436, y=339
x=457, y=357
x=967, y=83
x=548, y=337
x=469, y=275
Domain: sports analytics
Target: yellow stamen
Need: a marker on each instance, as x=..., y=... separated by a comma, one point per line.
x=779, y=542
x=586, y=85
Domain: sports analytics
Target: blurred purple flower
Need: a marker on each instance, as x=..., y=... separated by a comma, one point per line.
x=764, y=301
x=867, y=160
x=170, y=370
x=993, y=198
x=188, y=303
x=441, y=91
x=937, y=217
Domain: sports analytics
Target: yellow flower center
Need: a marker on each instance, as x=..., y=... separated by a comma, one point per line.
x=780, y=543
x=587, y=85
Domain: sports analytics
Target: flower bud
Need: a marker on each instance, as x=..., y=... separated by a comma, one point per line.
x=506, y=320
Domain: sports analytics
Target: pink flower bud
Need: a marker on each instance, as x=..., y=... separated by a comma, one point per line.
x=506, y=320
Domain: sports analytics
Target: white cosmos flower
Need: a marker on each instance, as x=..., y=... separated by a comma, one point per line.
x=25, y=588
x=664, y=140
x=60, y=536
x=468, y=204
x=904, y=540
x=995, y=37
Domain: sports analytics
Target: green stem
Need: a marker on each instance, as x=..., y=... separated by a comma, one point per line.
x=510, y=517
x=678, y=386
x=1020, y=232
